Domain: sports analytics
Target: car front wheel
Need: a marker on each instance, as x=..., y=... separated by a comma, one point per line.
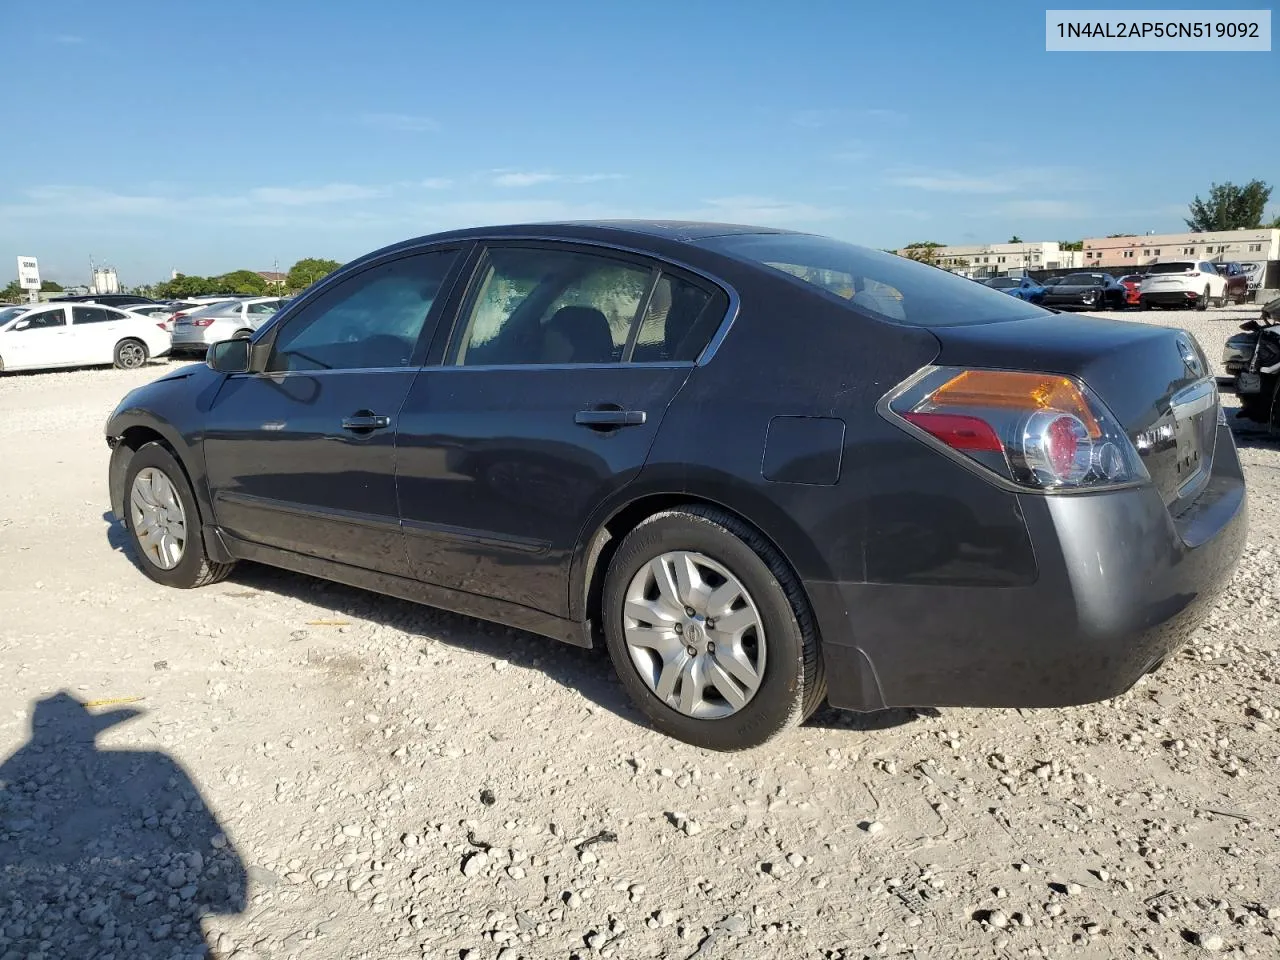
x=163, y=521
x=709, y=630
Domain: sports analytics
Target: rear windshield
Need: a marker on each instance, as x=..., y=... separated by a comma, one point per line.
x=884, y=285
x=1176, y=267
x=1003, y=283
x=1082, y=280
x=215, y=309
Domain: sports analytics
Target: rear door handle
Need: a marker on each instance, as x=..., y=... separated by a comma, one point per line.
x=610, y=418
x=368, y=421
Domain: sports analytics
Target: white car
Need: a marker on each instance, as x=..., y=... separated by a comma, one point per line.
x=1182, y=283
x=40, y=336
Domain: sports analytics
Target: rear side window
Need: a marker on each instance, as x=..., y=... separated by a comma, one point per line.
x=882, y=285
x=1176, y=266
x=678, y=322
x=92, y=315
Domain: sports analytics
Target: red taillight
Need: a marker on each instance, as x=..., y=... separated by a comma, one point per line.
x=1042, y=431
x=203, y=322
x=162, y=326
x=957, y=431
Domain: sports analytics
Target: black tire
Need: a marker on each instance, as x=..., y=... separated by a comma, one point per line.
x=1144, y=304
x=794, y=682
x=195, y=569
x=130, y=354
x=1203, y=302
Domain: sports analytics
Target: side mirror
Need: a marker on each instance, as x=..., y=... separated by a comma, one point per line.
x=228, y=356
x=21, y=325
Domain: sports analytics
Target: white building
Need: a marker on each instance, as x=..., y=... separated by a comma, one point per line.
x=1129, y=252
x=996, y=259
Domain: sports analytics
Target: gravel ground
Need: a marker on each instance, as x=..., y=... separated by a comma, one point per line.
x=305, y=770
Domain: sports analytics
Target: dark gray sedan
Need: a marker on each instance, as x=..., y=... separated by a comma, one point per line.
x=762, y=468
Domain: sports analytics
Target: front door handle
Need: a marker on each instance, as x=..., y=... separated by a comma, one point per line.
x=366, y=421
x=610, y=418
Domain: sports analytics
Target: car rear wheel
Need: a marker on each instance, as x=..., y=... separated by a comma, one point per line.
x=163, y=521
x=1203, y=302
x=709, y=630
x=130, y=354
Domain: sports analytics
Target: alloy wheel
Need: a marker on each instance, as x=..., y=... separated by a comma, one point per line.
x=694, y=635
x=132, y=355
x=158, y=518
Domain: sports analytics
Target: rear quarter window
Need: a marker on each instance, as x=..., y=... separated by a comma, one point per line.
x=882, y=285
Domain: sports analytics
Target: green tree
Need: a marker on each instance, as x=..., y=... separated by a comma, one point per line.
x=1015, y=239
x=308, y=270
x=50, y=286
x=924, y=251
x=183, y=286
x=1112, y=236
x=1070, y=244
x=1229, y=207
x=241, y=281
x=13, y=293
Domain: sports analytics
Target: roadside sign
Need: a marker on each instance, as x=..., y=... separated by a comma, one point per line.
x=28, y=273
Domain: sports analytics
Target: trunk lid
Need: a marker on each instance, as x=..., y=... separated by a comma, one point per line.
x=1156, y=381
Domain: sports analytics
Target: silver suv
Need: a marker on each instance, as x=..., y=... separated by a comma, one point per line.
x=194, y=331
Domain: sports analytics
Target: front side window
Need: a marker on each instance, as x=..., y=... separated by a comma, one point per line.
x=371, y=320
x=537, y=305
x=45, y=319
x=92, y=315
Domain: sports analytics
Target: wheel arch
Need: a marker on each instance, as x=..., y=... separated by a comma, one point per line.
x=128, y=440
x=604, y=534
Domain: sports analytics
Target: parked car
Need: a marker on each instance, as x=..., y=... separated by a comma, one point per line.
x=1090, y=291
x=188, y=306
x=1237, y=282
x=106, y=299
x=196, y=330
x=1181, y=283
x=1132, y=289
x=761, y=467
x=1024, y=288
x=76, y=334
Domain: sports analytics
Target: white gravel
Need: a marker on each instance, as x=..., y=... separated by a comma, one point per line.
x=319, y=772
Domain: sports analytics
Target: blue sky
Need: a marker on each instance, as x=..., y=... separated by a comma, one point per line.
x=210, y=137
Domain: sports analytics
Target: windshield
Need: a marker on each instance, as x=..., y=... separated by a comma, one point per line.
x=11, y=313
x=1083, y=280
x=1181, y=266
x=884, y=285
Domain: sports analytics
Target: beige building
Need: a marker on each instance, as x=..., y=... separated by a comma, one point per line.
x=994, y=259
x=1129, y=252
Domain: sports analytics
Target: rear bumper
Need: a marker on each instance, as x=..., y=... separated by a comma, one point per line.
x=1171, y=298
x=192, y=338
x=1120, y=586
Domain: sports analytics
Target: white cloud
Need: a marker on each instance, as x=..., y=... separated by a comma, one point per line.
x=954, y=183
x=308, y=196
x=1048, y=209
x=529, y=178
x=400, y=122
x=763, y=211
x=819, y=117
x=1001, y=181
x=436, y=183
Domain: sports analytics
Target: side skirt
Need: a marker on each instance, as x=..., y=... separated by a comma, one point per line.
x=456, y=601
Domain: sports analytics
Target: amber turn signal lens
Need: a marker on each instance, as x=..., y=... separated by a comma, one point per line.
x=1007, y=389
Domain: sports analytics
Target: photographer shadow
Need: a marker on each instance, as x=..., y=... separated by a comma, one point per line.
x=106, y=852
